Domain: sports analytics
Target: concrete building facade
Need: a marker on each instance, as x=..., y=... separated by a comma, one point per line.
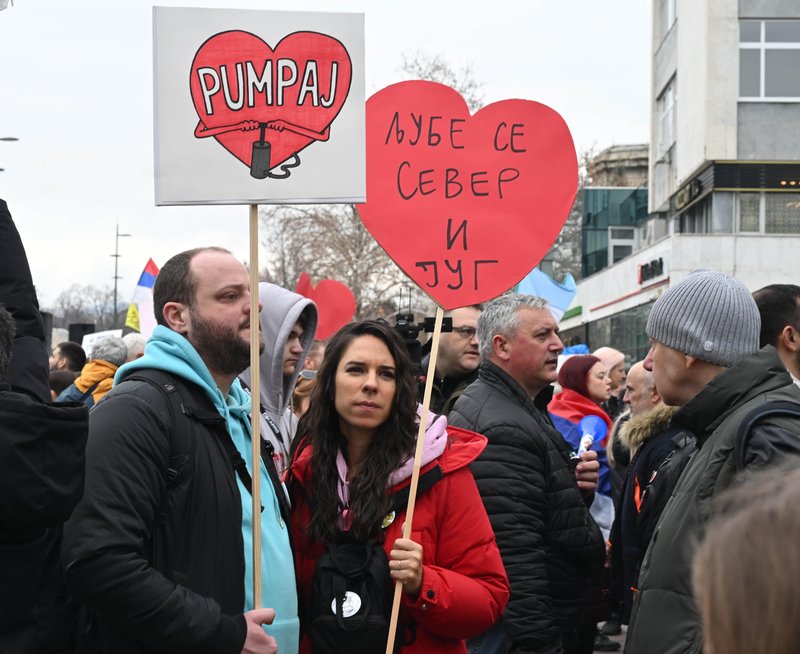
x=724, y=163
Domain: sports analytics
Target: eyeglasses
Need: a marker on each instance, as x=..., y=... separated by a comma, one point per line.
x=308, y=374
x=465, y=332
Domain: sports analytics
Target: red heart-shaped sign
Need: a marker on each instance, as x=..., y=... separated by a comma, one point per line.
x=336, y=304
x=295, y=91
x=465, y=205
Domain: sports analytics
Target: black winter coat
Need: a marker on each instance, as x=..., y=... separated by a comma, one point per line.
x=664, y=609
x=651, y=437
x=41, y=472
x=159, y=579
x=548, y=540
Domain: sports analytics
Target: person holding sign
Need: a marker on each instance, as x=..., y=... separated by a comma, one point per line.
x=538, y=505
x=160, y=546
x=352, y=463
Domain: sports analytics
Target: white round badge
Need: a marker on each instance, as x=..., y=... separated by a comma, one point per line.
x=350, y=606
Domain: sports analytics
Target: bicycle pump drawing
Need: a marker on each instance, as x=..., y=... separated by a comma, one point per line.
x=273, y=111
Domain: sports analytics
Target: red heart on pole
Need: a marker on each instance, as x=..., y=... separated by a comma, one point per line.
x=465, y=205
x=238, y=81
x=336, y=304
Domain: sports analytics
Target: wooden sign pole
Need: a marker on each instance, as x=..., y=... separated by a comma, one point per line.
x=412, y=496
x=255, y=411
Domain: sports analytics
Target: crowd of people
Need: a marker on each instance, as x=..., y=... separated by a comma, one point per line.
x=556, y=494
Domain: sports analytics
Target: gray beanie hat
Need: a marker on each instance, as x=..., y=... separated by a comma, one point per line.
x=708, y=315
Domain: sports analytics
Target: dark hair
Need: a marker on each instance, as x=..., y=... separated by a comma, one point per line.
x=574, y=371
x=778, y=306
x=393, y=442
x=176, y=283
x=74, y=354
x=7, y=329
x=58, y=380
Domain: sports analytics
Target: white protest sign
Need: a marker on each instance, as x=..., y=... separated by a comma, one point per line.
x=258, y=107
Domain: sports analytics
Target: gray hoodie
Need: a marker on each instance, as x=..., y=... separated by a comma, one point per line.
x=281, y=310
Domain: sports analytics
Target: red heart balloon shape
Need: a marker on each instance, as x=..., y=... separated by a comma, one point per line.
x=336, y=304
x=465, y=205
x=297, y=89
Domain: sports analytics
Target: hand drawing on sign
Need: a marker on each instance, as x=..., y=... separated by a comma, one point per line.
x=239, y=84
x=260, y=162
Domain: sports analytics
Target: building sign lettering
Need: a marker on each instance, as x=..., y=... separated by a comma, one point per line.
x=688, y=194
x=651, y=270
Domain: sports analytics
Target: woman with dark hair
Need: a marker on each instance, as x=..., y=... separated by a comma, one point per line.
x=356, y=452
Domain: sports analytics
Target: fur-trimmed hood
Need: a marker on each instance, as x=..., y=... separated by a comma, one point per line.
x=639, y=428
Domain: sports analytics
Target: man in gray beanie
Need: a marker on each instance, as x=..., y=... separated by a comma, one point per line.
x=704, y=337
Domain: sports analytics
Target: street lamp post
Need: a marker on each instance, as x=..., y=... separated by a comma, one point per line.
x=9, y=139
x=116, y=256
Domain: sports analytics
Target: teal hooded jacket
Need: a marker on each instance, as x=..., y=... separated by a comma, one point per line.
x=169, y=351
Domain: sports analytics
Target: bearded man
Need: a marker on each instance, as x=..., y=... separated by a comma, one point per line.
x=160, y=546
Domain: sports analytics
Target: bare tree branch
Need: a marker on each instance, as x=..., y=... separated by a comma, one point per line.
x=435, y=68
x=331, y=242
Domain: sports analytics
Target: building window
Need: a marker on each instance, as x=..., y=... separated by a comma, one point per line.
x=782, y=213
x=665, y=109
x=669, y=13
x=769, y=213
x=624, y=233
x=619, y=252
x=769, y=60
x=697, y=218
x=666, y=14
x=749, y=212
x=625, y=330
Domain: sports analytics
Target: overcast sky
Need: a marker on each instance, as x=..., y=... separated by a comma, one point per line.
x=76, y=84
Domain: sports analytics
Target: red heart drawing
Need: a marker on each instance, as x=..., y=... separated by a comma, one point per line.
x=336, y=304
x=297, y=89
x=465, y=205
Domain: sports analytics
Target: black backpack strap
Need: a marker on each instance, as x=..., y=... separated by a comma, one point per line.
x=771, y=408
x=88, y=392
x=178, y=441
x=426, y=480
x=176, y=390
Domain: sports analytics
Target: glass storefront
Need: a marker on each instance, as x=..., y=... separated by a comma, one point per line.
x=624, y=331
x=605, y=208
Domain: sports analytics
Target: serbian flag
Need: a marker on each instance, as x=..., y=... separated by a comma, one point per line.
x=141, y=316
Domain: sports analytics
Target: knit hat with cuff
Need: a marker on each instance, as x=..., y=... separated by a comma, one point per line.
x=708, y=315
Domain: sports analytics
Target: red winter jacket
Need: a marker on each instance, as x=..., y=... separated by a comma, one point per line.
x=464, y=584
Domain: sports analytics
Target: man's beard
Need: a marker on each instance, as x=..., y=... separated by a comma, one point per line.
x=220, y=346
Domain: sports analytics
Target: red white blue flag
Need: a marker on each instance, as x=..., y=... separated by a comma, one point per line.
x=141, y=316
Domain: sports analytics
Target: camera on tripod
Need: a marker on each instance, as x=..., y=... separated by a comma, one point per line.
x=409, y=330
